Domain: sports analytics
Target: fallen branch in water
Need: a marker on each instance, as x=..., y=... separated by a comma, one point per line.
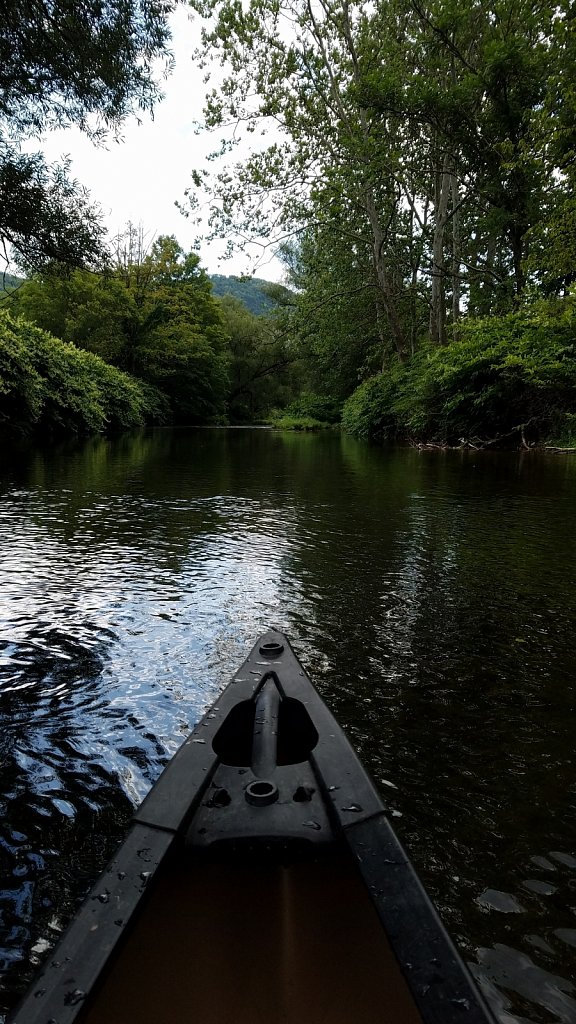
x=432, y=445
x=478, y=444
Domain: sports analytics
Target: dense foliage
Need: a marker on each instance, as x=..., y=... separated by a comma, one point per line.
x=419, y=154
x=48, y=385
x=422, y=147
x=507, y=380
x=153, y=315
x=422, y=159
x=63, y=63
x=260, y=367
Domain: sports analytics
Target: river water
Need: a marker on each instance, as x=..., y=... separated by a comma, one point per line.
x=431, y=596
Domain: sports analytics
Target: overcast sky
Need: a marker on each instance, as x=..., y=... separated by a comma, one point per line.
x=141, y=178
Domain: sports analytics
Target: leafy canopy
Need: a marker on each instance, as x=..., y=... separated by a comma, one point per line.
x=48, y=385
x=152, y=315
x=507, y=378
x=63, y=63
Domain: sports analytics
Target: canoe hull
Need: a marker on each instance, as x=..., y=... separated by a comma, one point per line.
x=262, y=883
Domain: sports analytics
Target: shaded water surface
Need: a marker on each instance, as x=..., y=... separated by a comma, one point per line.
x=432, y=597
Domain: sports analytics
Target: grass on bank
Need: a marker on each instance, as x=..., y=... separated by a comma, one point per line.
x=307, y=412
x=298, y=423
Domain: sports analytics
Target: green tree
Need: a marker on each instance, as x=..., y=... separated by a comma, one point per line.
x=84, y=308
x=53, y=386
x=152, y=315
x=329, y=167
x=468, y=81
x=334, y=317
x=263, y=374
x=410, y=137
x=64, y=63
x=552, y=260
x=182, y=345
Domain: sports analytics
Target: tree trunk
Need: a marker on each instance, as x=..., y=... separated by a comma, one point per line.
x=438, y=296
x=382, y=275
x=517, y=243
x=486, y=284
x=456, y=284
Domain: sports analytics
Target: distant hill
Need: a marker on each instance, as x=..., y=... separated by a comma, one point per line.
x=8, y=282
x=247, y=290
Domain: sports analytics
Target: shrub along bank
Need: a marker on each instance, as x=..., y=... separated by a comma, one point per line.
x=307, y=412
x=507, y=380
x=48, y=384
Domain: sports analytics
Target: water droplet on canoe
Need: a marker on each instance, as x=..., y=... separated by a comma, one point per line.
x=121, y=876
x=198, y=741
x=312, y=824
x=75, y=997
x=119, y=922
x=104, y=897
x=39, y=993
x=332, y=789
x=464, y=1003
x=145, y=875
x=353, y=808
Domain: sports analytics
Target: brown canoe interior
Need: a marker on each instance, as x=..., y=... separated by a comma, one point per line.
x=255, y=944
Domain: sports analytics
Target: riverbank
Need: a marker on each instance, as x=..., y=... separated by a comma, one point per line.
x=507, y=382
x=50, y=386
